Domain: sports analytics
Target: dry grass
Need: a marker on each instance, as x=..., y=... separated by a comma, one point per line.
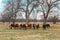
x=52, y=33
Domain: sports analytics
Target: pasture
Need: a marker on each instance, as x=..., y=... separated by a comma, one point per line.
x=52, y=33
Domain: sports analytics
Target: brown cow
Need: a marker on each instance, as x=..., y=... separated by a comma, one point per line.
x=29, y=26
x=14, y=26
x=37, y=26
x=21, y=26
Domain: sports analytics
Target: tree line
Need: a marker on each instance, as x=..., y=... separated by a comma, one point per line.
x=28, y=6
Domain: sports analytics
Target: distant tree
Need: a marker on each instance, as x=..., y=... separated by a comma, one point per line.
x=12, y=7
x=53, y=18
x=6, y=17
x=46, y=7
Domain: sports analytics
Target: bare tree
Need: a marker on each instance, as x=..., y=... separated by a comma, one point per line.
x=17, y=5
x=12, y=7
x=28, y=8
x=46, y=7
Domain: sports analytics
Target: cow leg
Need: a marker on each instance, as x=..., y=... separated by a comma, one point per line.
x=44, y=26
x=19, y=27
x=11, y=27
x=34, y=27
x=25, y=28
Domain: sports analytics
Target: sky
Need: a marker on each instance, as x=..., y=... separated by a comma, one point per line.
x=3, y=2
x=1, y=5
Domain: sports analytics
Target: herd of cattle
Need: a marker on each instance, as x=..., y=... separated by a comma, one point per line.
x=28, y=26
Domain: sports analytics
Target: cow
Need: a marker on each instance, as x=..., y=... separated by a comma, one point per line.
x=29, y=26
x=24, y=26
x=34, y=26
x=37, y=26
x=46, y=26
x=21, y=26
x=14, y=26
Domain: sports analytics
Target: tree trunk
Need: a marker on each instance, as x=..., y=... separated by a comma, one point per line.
x=27, y=19
x=14, y=19
x=45, y=20
x=44, y=23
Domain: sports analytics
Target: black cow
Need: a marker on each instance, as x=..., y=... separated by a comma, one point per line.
x=34, y=26
x=24, y=26
x=46, y=26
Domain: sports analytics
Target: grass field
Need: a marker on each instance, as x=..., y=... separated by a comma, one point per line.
x=52, y=33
